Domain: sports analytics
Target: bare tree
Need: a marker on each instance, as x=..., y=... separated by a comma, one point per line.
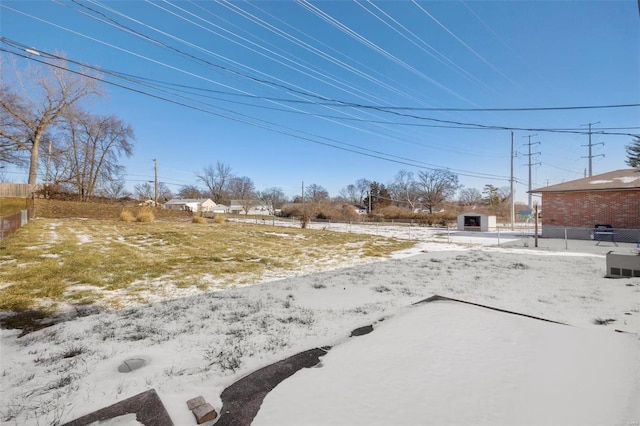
x=216, y=178
x=147, y=191
x=244, y=191
x=116, y=188
x=164, y=193
x=315, y=193
x=351, y=194
x=190, y=191
x=32, y=105
x=404, y=189
x=436, y=187
x=273, y=198
x=362, y=185
x=144, y=191
x=93, y=146
x=469, y=197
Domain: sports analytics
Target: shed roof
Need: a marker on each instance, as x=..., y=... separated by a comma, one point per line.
x=624, y=179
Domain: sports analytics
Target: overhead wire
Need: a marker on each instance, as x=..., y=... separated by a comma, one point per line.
x=440, y=57
x=479, y=56
x=295, y=92
x=398, y=111
x=375, y=47
x=287, y=132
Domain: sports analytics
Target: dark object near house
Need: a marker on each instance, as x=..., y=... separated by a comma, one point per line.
x=604, y=233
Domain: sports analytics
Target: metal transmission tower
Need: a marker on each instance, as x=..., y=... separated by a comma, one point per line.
x=531, y=164
x=590, y=156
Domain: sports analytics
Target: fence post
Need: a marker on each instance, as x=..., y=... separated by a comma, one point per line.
x=498, y=228
x=536, y=226
x=566, y=242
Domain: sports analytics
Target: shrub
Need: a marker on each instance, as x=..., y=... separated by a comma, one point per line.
x=347, y=212
x=199, y=219
x=304, y=220
x=145, y=215
x=126, y=216
x=219, y=218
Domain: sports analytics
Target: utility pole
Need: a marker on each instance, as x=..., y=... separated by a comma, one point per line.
x=530, y=155
x=512, y=196
x=590, y=156
x=155, y=194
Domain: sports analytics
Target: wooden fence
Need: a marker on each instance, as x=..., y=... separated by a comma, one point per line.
x=18, y=190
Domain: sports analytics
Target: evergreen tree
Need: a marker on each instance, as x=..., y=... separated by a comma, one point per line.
x=378, y=197
x=633, y=153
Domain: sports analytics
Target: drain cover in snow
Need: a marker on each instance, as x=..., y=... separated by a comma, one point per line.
x=129, y=365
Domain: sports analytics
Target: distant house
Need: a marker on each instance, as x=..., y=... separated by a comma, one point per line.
x=255, y=207
x=220, y=208
x=611, y=198
x=191, y=204
x=359, y=209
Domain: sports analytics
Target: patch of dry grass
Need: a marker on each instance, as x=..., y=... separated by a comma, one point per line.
x=51, y=262
x=127, y=216
x=199, y=219
x=9, y=205
x=146, y=215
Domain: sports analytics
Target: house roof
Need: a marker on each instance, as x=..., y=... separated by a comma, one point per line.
x=625, y=179
x=187, y=200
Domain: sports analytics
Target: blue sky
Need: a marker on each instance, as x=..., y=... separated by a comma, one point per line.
x=330, y=92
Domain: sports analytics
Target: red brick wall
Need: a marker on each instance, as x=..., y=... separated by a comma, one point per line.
x=585, y=209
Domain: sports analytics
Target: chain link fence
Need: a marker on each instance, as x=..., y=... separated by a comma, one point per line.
x=10, y=224
x=600, y=234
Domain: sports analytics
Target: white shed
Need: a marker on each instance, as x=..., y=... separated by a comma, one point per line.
x=473, y=221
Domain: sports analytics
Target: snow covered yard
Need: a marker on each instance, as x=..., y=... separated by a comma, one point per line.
x=201, y=344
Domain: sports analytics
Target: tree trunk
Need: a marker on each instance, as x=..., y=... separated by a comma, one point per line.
x=33, y=164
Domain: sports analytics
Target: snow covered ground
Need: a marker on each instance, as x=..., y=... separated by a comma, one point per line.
x=437, y=363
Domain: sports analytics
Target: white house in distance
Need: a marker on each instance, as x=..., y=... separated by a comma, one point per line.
x=473, y=221
x=201, y=205
x=255, y=207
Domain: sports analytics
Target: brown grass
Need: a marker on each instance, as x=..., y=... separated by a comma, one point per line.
x=146, y=215
x=112, y=263
x=127, y=216
x=76, y=209
x=199, y=220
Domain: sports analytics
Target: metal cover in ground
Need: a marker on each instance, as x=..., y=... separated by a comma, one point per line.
x=129, y=365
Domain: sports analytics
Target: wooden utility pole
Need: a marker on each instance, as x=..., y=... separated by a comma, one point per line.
x=155, y=194
x=513, y=203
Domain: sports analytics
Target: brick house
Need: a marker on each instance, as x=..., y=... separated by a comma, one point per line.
x=611, y=198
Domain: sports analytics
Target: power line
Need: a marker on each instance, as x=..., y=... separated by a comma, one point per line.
x=287, y=132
